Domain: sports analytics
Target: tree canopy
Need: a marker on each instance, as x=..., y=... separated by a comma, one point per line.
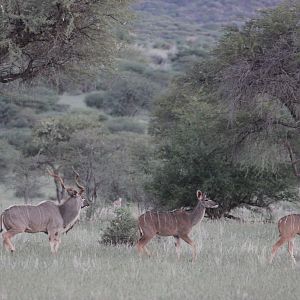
x=230, y=124
x=40, y=37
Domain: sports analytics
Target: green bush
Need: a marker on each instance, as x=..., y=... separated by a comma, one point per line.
x=122, y=229
x=17, y=137
x=127, y=96
x=95, y=100
x=133, y=66
x=125, y=124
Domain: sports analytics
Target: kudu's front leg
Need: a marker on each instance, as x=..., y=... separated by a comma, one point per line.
x=177, y=245
x=54, y=240
x=188, y=240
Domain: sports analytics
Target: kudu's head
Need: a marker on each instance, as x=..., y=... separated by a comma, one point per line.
x=73, y=193
x=84, y=202
x=207, y=203
x=78, y=196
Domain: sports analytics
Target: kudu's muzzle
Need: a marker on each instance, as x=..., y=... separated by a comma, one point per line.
x=85, y=203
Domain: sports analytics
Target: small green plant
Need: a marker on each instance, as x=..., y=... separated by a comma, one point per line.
x=122, y=229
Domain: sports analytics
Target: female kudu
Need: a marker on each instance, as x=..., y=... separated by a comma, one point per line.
x=177, y=223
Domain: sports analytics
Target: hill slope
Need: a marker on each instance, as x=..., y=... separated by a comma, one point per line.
x=175, y=18
x=188, y=28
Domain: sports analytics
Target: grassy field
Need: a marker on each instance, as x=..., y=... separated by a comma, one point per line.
x=231, y=264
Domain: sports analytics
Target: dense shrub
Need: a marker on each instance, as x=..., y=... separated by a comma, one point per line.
x=127, y=96
x=125, y=124
x=95, y=100
x=122, y=229
x=8, y=156
x=133, y=66
x=17, y=137
x=8, y=111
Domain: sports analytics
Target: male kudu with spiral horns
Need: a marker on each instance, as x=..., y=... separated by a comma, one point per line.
x=47, y=216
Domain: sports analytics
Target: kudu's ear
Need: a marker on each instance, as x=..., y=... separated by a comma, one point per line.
x=199, y=195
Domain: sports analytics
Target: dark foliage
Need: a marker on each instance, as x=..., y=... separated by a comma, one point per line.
x=121, y=230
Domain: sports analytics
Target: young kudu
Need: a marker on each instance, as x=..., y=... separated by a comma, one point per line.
x=289, y=227
x=177, y=223
x=47, y=216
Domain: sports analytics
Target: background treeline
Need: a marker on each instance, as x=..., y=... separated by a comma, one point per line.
x=227, y=122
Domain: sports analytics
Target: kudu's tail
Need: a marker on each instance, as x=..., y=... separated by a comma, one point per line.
x=141, y=231
x=1, y=222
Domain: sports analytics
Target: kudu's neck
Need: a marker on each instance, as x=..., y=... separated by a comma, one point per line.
x=197, y=213
x=69, y=210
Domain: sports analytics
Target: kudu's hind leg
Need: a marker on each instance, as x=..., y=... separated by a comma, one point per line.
x=276, y=246
x=291, y=250
x=8, y=245
x=141, y=244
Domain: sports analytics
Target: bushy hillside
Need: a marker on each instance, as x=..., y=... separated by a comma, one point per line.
x=169, y=18
x=189, y=28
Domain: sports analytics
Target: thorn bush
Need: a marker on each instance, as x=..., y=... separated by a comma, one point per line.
x=122, y=229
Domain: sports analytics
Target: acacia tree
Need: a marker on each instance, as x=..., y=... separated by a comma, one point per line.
x=47, y=144
x=26, y=179
x=196, y=151
x=40, y=37
x=230, y=124
x=107, y=164
x=255, y=74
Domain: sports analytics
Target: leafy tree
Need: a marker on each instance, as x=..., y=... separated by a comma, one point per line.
x=40, y=37
x=26, y=178
x=231, y=124
x=196, y=153
x=254, y=74
x=107, y=164
x=51, y=137
x=8, y=157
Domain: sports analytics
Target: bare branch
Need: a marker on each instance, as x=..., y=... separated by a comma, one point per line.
x=292, y=158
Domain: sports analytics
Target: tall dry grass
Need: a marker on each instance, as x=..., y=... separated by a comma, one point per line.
x=231, y=264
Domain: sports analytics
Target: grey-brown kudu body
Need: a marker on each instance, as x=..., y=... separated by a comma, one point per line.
x=177, y=223
x=47, y=216
x=288, y=227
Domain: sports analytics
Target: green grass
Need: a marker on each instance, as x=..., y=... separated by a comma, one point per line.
x=231, y=264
